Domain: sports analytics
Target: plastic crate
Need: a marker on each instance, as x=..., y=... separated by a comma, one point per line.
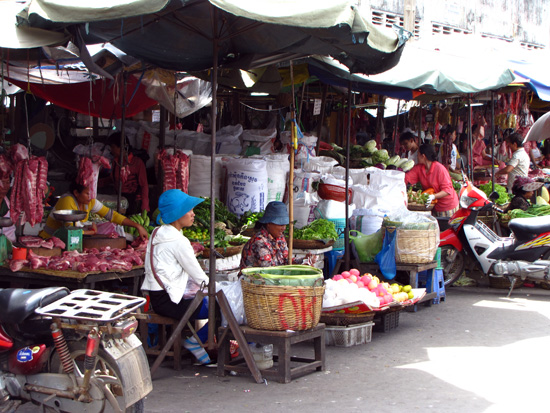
x=340, y=224
x=353, y=335
x=386, y=322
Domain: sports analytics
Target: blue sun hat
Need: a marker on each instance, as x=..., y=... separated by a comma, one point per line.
x=174, y=203
x=275, y=213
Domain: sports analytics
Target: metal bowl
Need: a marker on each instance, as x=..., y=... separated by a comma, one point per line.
x=69, y=215
x=5, y=222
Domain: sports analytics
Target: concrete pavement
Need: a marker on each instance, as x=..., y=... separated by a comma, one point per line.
x=476, y=352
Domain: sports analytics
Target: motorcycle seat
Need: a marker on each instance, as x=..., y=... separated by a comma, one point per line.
x=528, y=228
x=19, y=303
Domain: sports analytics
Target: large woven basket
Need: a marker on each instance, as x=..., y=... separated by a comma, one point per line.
x=224, y=252
x=414, y=246
x=280, y=308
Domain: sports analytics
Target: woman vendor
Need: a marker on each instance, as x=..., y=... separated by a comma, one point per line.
x=173, y=275
x=268, y=246
x=78, y=198
x=432, y=174
x=523, y=189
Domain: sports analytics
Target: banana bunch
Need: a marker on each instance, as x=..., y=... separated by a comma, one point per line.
x=143, y=220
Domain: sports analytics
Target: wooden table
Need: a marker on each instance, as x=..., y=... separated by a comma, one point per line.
x=70, y=279
x=282, y=341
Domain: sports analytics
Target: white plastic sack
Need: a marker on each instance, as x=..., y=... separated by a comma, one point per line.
x=330, y=209
x=234, y=294
x=246, y=185
x=383, y=190
x=366, y=221
x=261, y=138
x=199, y=174
x=228, y=140
x=278, y=168
x=304, y=208
x=306, y=145
x=303, y=181
x=321, y=164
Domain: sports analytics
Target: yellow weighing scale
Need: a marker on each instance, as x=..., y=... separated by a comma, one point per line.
x=71, y=236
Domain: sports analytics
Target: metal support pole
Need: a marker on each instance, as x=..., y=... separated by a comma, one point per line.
x=492, y=141
x=348, y=139
x=122, y=140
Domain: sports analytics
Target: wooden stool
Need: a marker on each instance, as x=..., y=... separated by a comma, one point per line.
x=163, y=323
x=282, y=341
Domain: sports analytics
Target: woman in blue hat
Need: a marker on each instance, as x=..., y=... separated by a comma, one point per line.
x=268, y=246
x=172, y=273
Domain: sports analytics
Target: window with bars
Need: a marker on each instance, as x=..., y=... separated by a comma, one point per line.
x=386, y=19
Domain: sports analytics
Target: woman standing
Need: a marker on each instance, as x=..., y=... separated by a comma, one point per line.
x=432, y=174
x=173, y=275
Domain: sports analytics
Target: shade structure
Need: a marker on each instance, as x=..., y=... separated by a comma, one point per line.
x=179, y=36
x=540, y=129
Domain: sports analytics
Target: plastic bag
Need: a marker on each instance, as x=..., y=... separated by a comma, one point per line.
x=367, y=246
x=234, y=294
x=386, y=257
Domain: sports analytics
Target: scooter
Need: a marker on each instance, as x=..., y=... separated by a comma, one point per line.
x=525, y=255
x=71, y=351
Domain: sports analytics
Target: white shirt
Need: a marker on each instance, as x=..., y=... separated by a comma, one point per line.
x=175, y=264
x=520, y=161
x=413, y=156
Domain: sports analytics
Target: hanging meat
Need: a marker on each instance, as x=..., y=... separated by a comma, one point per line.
x=175, y=169
x=29, y=187
x=6, y=169
x=88, y=172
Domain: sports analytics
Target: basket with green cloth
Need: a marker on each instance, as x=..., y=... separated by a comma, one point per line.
x=287, y=297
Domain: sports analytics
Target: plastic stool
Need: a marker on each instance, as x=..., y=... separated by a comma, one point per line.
x=434, y=282
x=331, y=258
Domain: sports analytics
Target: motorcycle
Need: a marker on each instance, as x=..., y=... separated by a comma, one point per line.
x=525, y=255
x=71, y=351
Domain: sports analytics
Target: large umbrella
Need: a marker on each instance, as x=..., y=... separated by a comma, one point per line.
x=540, y=129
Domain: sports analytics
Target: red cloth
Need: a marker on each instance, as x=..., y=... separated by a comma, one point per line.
x=106, y=98
x=437, y=178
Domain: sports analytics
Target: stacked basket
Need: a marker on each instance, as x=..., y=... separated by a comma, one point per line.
x=288, y=297
x=415, y=243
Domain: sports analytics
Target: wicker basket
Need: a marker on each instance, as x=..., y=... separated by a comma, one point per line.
x=419, y=207
x=310, y=244
x=344, y=319
x=280, y=308
x=414, y=246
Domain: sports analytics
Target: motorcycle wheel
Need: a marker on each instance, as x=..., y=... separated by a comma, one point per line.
x=107, y=369
x=453, y=263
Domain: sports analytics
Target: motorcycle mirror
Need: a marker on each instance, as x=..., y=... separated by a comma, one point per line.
x=494, y=196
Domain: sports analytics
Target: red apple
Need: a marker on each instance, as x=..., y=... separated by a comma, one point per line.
x=349, y=280
x=360, y=284
x=355, y=271
x=337, y=277
x=345, y=274
x=353, y=277
x=372, y=285
x=366, y=279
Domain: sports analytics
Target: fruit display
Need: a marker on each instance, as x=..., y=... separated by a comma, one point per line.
x=350, y=287
x=143, y=220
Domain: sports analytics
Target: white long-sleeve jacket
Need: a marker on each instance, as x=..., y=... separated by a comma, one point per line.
x=174, y=261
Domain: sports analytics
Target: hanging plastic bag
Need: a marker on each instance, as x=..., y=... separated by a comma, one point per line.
x=386, y=257
x=234, y=294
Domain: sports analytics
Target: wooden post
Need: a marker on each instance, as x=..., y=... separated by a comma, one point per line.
x=122, y=140
x=348, y=139
x=291, y=173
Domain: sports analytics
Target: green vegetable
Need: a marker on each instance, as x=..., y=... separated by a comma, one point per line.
x=320, y=229
x=519, y=213
x=393, y=160
x=370, y=146
x=380, y=156
x=503, y=197
x=407, y=166
x=221, y=214
x=401, y=162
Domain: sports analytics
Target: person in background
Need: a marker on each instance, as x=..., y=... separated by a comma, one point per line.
x=518, y=165
x=135, y=187
x=523, y=189
x=432, y=174
x=78, y=198
x=409, y=142
x=532, y=149
x=480, y=156
x=463, y=150
x=448, y=153
x=173, y=275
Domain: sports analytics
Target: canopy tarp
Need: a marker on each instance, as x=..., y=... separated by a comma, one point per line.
x=435, y=71
x=180, y=36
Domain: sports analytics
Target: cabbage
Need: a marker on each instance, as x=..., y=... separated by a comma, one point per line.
x=380, y=156
x=370, y=146
x=401, y=162
x=393, y=160
x=407, y=166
